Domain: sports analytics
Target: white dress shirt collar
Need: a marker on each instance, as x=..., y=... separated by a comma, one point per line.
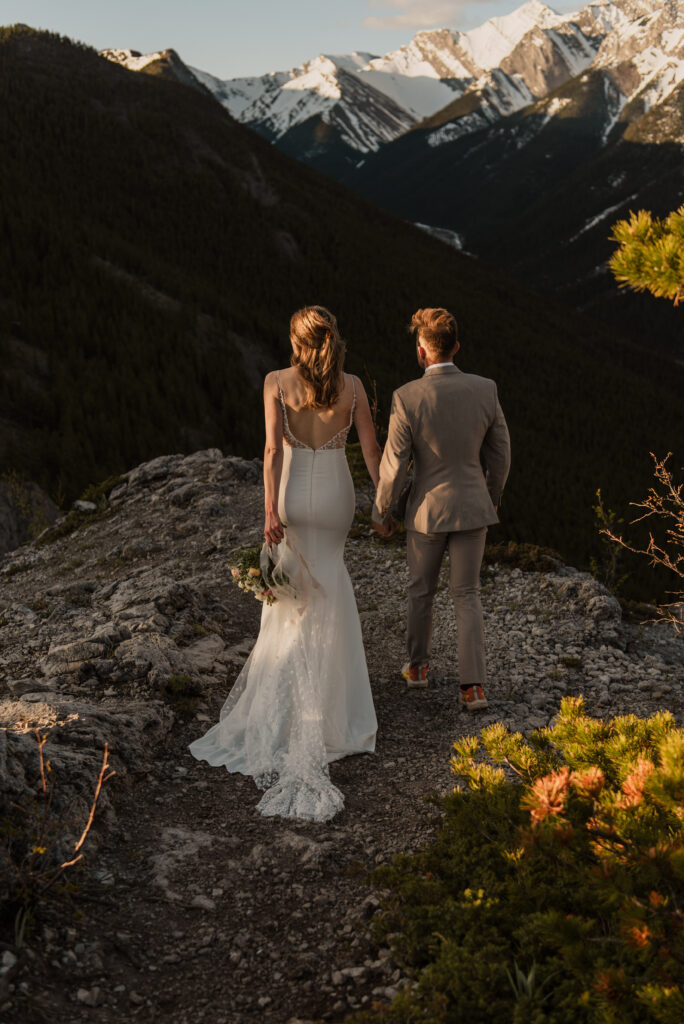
x=433, y=366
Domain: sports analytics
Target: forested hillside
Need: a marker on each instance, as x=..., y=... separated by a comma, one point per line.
x=538, y=192
x=154, y=251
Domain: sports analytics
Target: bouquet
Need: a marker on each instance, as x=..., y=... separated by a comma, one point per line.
x=256, y=571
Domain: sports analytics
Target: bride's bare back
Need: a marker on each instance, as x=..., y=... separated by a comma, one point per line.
x=314, y=428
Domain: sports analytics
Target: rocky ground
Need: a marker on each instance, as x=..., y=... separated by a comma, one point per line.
x=189, y=906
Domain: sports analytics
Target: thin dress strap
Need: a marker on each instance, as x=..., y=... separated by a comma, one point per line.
x=280, y=390
x=353, y=408
x=288, y=436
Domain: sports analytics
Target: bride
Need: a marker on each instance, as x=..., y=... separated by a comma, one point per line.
x=303, y=697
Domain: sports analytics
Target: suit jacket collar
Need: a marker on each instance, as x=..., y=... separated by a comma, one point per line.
x=441, y=369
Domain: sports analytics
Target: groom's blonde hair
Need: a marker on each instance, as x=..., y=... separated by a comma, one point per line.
x=320, y=355
x=437, y=330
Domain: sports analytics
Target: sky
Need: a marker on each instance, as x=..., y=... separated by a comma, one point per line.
x=234, y=38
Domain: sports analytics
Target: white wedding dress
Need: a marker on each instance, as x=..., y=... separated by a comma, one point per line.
x=303, y=697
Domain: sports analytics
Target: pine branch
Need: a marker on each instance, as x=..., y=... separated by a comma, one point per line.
x=650, y=254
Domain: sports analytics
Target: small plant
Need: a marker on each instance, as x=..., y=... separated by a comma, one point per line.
x=28, y=506
x=664, y=503
x=35, y=857
x=40, y=606
x=528, y=557
x=606, y=569
x=181, y=693
x=525, y=986
x=564, y=851
x=99, y=493
x=14, y=570
x=71, y=522
x=75, y=518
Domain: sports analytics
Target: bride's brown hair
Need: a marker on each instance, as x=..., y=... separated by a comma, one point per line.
x=319, y=356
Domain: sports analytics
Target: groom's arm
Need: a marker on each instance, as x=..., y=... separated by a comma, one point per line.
x=394, y=462
x=496, y=453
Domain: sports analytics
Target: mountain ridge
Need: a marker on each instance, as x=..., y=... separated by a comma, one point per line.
x=417, y=80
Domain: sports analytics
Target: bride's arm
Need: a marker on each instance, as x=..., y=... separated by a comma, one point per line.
x=273, y=460
x=363, y=421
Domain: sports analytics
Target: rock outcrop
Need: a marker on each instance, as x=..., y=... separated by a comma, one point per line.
x=96, y=625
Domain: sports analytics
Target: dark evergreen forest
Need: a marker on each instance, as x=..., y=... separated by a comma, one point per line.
x=153, y=251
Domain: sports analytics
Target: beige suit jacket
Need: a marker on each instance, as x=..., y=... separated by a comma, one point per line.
x=452, y=425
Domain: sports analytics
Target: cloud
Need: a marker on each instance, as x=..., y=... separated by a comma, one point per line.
x=417, y=13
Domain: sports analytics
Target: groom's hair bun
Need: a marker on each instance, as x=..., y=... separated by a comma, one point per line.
x=437, y=330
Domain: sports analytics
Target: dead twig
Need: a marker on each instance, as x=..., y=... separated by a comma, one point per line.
x=666, y=503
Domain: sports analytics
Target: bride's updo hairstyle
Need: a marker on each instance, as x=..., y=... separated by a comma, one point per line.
x=319, y=354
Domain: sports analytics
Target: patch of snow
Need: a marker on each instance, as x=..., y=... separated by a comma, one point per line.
x=593, y=221
x=504, y=93
x=488, y=44
x=456, y=129
x=133, y=62
x=318, y=76
x=445, y=235
x=576, y=58
x=557, y=104
x=615, y=101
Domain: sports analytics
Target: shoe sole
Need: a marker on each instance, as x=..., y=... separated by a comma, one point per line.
x=417, y=684
x=481, y=704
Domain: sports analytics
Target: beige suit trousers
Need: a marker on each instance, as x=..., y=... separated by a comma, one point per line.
x=425, y=552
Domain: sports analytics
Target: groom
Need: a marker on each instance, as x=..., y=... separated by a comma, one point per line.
x=451, y=424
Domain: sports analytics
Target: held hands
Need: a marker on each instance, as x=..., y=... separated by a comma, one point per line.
x=385, y=529
x=273, y=528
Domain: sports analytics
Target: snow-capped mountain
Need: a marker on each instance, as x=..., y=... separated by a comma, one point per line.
x=362, y=101
x=333, y=111
x=644, y=54
x=327, y=90
x=341, y=108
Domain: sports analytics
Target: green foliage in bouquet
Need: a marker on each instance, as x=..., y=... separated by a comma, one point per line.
x=247, y=572
x=650, y=254
x=553, y=890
